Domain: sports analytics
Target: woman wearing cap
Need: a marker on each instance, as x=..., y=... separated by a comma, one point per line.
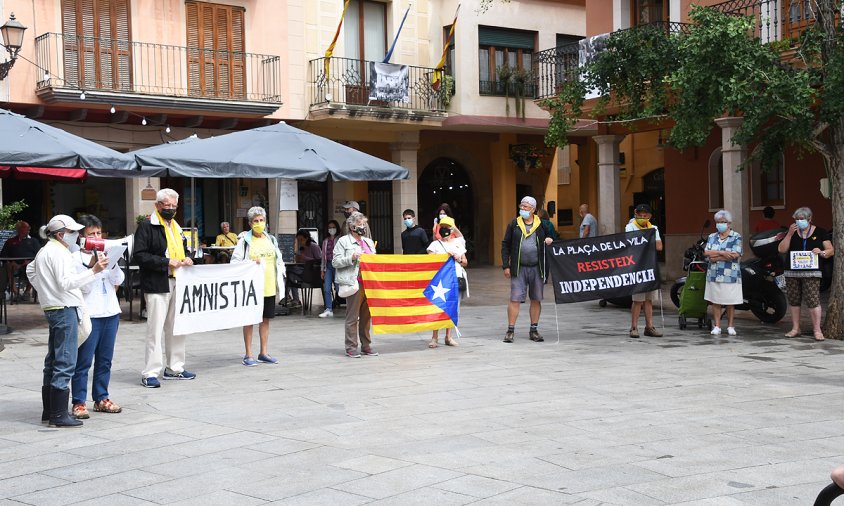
x=455, y=246
x=723, y=277
x=53, y=274
x=104, y=310
x=641, y=221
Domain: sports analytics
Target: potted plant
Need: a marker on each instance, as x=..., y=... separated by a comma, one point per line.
x=505, y=74
x=447, y=89
x=521, y=77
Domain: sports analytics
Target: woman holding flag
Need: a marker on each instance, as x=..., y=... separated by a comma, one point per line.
x=455, y=245
x=346, y=260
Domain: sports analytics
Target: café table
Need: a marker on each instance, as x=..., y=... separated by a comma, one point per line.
x=216, y=250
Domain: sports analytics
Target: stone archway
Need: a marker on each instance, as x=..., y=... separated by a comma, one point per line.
x=446, y=181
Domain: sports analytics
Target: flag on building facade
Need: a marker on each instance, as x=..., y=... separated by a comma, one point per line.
x=437, y=76
x=410, y=293
x=330, y=51
x=396, y=38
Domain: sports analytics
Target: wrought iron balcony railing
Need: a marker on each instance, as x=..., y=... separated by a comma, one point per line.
x=348, y=82
x=775, y=19
x=553, y=67
x=128, y=67
x=496, y=88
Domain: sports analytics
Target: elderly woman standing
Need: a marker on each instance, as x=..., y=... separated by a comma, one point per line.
x=346, y=261
x=723, y=277
x=262, y=248
x=803, y=279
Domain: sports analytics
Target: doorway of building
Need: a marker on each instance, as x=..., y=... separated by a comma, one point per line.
x=380, y=214
x=653, y=194
x=446, y=181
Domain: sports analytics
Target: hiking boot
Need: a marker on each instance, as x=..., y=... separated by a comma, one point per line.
x=508, y=337
x=80, y=412
x=652, y=332
x=536, y=336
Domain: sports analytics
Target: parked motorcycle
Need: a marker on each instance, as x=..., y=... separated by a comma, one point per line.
x=762, y=296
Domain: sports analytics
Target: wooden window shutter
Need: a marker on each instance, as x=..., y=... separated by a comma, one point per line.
x=216, y=59
x=97, y=44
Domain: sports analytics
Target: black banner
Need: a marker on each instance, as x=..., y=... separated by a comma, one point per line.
x=603, y=267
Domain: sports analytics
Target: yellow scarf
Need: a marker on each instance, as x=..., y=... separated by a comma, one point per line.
x=525, y=232
x=173, y=233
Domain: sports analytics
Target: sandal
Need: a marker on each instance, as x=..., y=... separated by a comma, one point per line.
x=106, y=406
x=819, y=336
x=450, y=342
x=792, y=333
x=433, y=343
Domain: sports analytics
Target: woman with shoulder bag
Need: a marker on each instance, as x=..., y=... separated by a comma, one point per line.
x=453, y=245
x=262, y=248
x=346, y=261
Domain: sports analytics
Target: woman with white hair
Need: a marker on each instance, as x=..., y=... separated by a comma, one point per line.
x=723, y=277
x=258, y=246
x=346, y=260
x=803, y=274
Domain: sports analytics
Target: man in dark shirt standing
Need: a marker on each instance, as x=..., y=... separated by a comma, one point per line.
x=414, y=240
x=23, y=247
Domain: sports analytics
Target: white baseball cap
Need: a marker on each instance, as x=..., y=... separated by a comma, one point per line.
x=61, y=222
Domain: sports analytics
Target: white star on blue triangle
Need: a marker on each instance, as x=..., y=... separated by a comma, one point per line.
x=442, y=290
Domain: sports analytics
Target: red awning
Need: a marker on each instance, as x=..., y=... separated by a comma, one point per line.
x=42, y=173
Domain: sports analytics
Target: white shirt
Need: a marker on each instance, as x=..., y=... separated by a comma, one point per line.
x=452, y=246
x=100, y=296
x=632, y=227
x=53, y=274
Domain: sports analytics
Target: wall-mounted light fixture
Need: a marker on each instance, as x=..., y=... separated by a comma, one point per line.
x=12, y=33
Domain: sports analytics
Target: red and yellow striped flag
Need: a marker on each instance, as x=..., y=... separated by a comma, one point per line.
x=396, y=292
x=330, y=51
x=437, y=76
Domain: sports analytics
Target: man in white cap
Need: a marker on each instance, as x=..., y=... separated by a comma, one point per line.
x=523, y=256
x=55, y=277
x=349, y=207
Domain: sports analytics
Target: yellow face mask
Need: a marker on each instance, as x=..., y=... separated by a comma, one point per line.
x=642, y=222
x=259, y=227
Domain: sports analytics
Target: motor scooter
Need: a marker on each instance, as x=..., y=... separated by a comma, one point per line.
x=761, y=294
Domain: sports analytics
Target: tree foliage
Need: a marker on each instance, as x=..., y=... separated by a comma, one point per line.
x=789, y=93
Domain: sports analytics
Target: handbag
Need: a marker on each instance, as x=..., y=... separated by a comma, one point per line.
x=348, y=290
x=462, y=284
x=85, y=326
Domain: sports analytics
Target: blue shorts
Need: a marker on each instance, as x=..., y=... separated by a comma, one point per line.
x=528, y=283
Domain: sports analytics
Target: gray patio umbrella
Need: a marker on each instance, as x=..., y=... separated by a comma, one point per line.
x=278, y=150
x=29, y=143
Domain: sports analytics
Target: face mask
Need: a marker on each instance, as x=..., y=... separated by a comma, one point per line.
x=167, y=214
x=445, y=232
x=346, y=214
x=643, y=222
x=360, y=230
x=802, y=224
x=332, y=231
x=443, y=215
x=721, y=227
x=408, y=222
x=524, y=214
x=258, y=228
x=71, y=238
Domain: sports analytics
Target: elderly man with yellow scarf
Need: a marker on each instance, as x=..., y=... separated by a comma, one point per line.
x=160, y=253
x=523, y=256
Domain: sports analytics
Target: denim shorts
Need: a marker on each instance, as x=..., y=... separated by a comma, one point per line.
x=528, y=283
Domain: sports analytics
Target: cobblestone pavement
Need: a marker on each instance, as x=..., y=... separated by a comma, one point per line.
x=596, y=418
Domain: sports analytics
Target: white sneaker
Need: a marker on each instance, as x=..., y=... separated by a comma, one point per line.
x=731, y=331
x=716, y=331
x=326, y=314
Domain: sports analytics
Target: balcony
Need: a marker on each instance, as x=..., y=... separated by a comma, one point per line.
x=775, y=19
x=345, y=89
x=555, y=66
x=141, y=74
x=496, y=89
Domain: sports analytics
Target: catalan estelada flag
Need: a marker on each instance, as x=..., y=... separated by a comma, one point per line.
x=410, y=293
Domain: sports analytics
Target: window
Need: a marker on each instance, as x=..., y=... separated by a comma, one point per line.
x=716, y=181
x=96, y=44
x=650, y=11
x=501, y=48
x=216, y=45
x=365, y=28
x=767, y=186
x=450, y=56
x=568, y=52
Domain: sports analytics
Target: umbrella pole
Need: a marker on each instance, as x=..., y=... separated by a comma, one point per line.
x=194, y=226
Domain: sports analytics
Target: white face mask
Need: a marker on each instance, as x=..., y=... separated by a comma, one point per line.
x=71, y=239
x=332, y=231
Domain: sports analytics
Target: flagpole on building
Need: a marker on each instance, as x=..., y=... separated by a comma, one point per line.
x=437, y=77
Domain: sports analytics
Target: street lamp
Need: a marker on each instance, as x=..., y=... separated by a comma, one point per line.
x=12, y=33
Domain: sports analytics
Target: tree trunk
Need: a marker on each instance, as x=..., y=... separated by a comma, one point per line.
x=834, y=322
